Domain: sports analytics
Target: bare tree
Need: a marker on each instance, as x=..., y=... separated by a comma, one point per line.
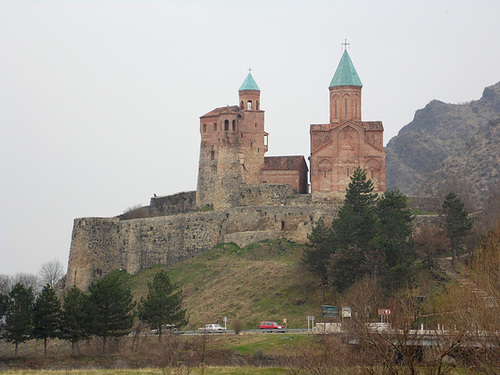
x=5, y=284
x=29, y=280
x=51, y=272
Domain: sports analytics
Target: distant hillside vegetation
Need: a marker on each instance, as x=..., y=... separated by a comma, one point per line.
x=449, y=147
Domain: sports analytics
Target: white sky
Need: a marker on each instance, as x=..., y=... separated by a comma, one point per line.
x=100, y=100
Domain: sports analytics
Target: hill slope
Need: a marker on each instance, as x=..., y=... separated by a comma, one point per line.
x=264, y=280
x=448, y=146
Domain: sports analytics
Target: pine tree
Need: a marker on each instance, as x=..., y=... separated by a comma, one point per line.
x=162, y=305
x=456, y=222
x=46, y=316
x=317, y=255
x=394, y=238
x=359, y=193
x=354, y=232
x=110, y=303
x=75, y=317
x=18, y=323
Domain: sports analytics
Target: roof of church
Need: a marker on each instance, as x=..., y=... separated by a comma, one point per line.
x=249, y=84
x=219, y=111
x=345, y=75
x=283, y=162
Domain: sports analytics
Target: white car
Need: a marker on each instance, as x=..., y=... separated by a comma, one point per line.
x=212, y=328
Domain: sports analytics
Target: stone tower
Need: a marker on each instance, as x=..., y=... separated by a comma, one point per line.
x=233, y=144
x=347, y=142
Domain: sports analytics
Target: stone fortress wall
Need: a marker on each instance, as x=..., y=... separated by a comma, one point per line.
x=176, y=231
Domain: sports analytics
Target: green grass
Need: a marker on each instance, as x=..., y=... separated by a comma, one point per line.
x=262, y=281
x=270, y=344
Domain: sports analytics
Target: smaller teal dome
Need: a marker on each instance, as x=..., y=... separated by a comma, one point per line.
x=249, y=84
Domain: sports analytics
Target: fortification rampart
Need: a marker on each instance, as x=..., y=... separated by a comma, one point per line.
x=100, y=245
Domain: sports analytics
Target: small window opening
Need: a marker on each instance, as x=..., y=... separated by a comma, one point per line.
x=234, y=125
x=226, y=125
x=212, y=155
x=257, y=105
x=215, y=127
x=255, y=124
x=251, y=144
x=241, y=105
x=249, y=105
x=348, y=171
x=282, y=225
x=345, y=108
x=336, y=108
x=241, y=135
x=204, y=128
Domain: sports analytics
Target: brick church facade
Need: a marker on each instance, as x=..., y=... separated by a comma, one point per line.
x=234, y=143
x=347, y=142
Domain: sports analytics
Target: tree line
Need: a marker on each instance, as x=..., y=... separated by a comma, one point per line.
x=372, y=237
x=106, y=310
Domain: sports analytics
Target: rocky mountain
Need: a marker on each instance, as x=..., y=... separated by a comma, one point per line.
x=449, y=147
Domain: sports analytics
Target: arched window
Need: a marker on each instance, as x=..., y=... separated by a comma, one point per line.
x=336, y=104
x=204, y=128
x=241, y=105
x=215, y=127
x=212, y=155
x=226, y=125
x=356, y=108
x=348, y=171
x=234, y=125
x=249, y=105
x=257, y=105
x=345, y=102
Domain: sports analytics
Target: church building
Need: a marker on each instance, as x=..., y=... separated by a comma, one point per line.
x=347, y=142
x=234, y=143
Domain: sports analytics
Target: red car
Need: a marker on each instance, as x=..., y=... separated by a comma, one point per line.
x=270, y=325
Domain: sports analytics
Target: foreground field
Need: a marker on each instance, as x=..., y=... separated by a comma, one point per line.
x=164, y=371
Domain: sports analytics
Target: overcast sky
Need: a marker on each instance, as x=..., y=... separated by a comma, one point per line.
x=100, y=100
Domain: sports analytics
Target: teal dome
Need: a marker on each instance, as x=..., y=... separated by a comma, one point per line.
x=249, y=84
x=345, y=75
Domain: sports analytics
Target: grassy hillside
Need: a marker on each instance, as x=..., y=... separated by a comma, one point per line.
x=264, y=280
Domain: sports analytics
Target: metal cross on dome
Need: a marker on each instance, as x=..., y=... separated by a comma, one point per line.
x=249, y=70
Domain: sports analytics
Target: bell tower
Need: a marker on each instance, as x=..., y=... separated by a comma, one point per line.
x=346, y=142
x=249, y=94
x=233, y=144
x=345, y=92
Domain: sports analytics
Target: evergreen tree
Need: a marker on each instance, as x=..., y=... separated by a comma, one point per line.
x=359, y=193
x=353, y=234
x=317, y=255
x=3, y=305
x=162, y=305
x=370, y=237
x=110, y=303
x=456, y=222
x=394, y=238
x=46, y=316
x=75, y=317
x=18, y=323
